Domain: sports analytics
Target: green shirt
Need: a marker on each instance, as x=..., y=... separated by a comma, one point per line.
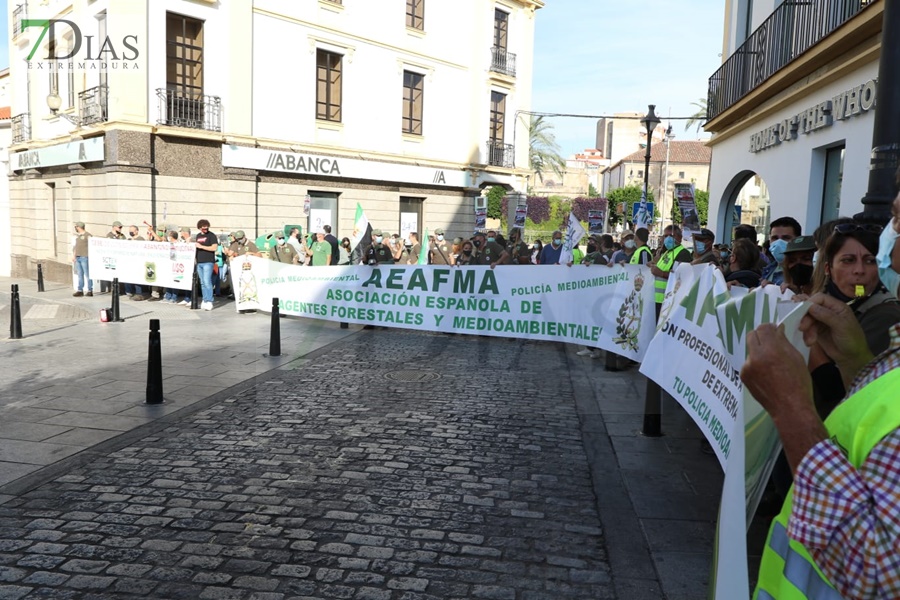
x=320, y=253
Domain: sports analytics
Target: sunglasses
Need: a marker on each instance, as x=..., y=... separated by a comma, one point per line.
x=845, y=228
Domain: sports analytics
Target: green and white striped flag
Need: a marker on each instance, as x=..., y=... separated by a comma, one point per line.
x=423, y=249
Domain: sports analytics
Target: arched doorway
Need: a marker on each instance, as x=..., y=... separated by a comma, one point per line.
x=745, y=200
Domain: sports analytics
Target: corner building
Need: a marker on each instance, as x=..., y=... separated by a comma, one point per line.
x=167, y=111
x=792, y=110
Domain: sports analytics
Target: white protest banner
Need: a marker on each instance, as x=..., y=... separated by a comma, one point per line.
x=143, y=263
x=753, y=454
x=557, y=303
x=701, y=379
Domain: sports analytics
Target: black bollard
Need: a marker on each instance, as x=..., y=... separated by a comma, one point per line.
x=196, y=296
x=40, y=278
x=154, y=366
x=652, y=410
x=15, y=315
x=345, y=325
x=115, y=317
x=275, y=333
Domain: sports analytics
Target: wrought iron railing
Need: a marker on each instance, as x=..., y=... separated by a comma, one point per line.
x=792, y=29
x=21, y=128
x=20, y=13
x=93, y=105
x=500, y=154
x=503, y=61
x=194, y=112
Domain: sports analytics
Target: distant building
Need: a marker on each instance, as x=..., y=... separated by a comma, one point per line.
x=582, y=171
x=792, y=110
x=238, y=111
x=620, y=135
x=688, y=162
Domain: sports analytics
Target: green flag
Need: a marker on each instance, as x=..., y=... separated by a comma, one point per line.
x=423, y=249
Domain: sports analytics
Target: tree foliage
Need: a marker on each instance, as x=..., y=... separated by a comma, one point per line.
x=538, y=208
x=581, y=206
x=495, y=198
x=630, y=195
x=699, y=117
x=543, y=151
x=592, y=191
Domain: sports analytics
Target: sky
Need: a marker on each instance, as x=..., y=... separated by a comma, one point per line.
x=599, y=57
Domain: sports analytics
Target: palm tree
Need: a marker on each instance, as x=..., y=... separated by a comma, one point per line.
x=543, y=151
x=699, y=117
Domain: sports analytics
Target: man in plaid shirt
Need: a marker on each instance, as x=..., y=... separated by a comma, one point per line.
x=838, y=536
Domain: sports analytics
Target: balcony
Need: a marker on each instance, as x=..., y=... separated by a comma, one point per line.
x=20, y=13
x=21, y=128
x=503, y=61
x=93, y=105
x=178, y=109
x=500, y=154
x=792, y=29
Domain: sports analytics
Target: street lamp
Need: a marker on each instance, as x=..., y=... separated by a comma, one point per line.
x=653, y=398
x=650, y=121
x=54, y=103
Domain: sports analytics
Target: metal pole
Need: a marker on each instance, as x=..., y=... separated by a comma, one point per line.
x=195, y=290
x=40, y=276
x=15, y=315
x=652, y=397
x=154, y=366
x=665, y=196
x=886, y=127
x=115, y=317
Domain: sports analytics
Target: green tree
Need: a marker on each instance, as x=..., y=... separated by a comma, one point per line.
x=592, y=191
x=699, y=117
x=543, y=151
x=495, y=201
x=630, y=195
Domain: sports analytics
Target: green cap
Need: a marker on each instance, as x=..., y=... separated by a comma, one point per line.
x=239, y=234
x=278, y=235
x=117, y=223
x=377, y=232
x=438, y=231
x=80, y=224
x=185, y=230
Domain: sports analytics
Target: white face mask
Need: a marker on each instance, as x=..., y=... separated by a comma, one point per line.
x=281, y=241
x=629, y=244
x=440, y=238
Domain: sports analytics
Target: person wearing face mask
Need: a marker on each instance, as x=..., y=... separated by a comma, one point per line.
x=798, y=265
x=282, y=252
x=889, y=250
x=703, y=248
x=490, y=253
x=344, y=252
x=440, y=251
x=551, y=253
x=378, y=252
x=518, y=250
x=781, y=231
x=623, y=255
x=672, y=252
x=642, y=254
x=466, y=254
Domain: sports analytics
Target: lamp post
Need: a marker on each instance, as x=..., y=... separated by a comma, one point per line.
x=653, y=397
x=650, y=121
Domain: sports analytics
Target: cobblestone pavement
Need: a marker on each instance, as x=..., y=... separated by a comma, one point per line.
x=463, y=477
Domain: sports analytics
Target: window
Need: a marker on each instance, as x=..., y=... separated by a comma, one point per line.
x=70, y=79
x=640, y=174
x=415, y=14
x=54, y=68
x=501, y=29
x=328, y=85
x=101, y=35
x=498, y=115
x=184, y=56
x=680, y=174
x=410, y=217
x=412, y=102
x=834, y=177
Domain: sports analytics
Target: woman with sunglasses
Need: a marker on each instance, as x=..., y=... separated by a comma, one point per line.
x=851, y=276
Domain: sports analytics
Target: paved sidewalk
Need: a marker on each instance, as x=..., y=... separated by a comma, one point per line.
x=620, y=515
x=73, y=382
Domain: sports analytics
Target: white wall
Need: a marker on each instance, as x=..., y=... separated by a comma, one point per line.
x=794, y=171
